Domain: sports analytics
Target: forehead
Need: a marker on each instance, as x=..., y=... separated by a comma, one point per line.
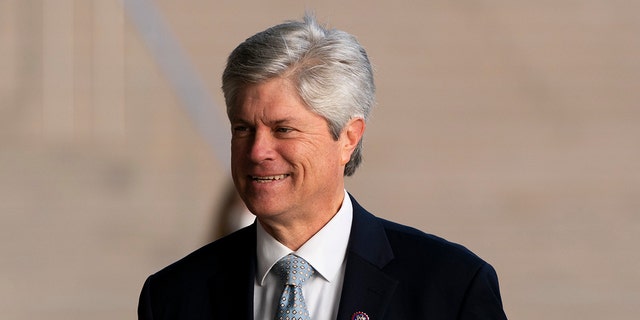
x=273, y=97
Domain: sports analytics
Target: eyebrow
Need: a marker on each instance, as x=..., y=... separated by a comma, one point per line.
x=283, y=121
x=270, y=123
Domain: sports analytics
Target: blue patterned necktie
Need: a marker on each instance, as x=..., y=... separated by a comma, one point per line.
x=294, y=271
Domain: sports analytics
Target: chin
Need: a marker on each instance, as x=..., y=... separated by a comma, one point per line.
x=264, y=210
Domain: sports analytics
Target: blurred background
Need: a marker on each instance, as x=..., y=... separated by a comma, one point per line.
x=512, y=127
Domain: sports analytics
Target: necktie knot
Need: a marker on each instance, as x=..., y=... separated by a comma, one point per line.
x=294, y=270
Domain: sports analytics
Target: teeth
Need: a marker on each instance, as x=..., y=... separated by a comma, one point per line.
x=269, y=178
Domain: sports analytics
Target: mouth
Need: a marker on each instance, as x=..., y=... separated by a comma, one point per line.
x=265, y=179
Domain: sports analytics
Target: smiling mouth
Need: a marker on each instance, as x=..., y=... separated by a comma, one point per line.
x=268, y=178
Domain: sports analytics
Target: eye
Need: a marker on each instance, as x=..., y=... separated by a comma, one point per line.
x=283, y=130
x=241, y=130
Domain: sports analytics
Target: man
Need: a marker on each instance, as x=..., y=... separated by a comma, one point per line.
x=298, y=96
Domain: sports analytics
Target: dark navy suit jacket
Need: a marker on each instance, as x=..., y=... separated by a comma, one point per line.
x=393, y=272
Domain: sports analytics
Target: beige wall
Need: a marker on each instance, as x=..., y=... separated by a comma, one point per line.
x=511, y=127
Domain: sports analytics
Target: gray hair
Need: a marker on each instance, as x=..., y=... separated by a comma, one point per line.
x=329, y=68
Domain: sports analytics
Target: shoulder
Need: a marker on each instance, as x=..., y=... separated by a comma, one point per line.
x=185, y=287
x=409, y=243
x=447, y=277
x=420, y=258
x=210, y=258
x=411, y=249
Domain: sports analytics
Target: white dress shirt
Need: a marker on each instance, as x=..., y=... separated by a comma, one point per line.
x=325, y=252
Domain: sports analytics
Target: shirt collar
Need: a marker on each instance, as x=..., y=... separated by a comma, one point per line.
x=325, y=251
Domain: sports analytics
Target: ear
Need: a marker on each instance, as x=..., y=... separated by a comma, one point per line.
x=350, y=136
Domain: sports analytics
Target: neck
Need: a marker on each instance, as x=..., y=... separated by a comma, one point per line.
x=293, y=232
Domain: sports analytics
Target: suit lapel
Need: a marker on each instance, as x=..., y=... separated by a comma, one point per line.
x=231, y=285
x=366, y=287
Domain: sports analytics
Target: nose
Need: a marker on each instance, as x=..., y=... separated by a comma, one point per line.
x=262, y=147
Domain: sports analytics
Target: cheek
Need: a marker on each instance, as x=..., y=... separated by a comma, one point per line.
x=237, y=157
x=237, y=149
x=319, y=156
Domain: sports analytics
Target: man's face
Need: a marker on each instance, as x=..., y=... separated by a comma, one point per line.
x=284, y=161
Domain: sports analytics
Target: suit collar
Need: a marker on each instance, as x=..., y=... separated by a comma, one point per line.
x=368, y=238
x=367, y=288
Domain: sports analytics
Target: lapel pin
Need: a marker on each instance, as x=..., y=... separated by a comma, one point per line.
x=359, y=316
